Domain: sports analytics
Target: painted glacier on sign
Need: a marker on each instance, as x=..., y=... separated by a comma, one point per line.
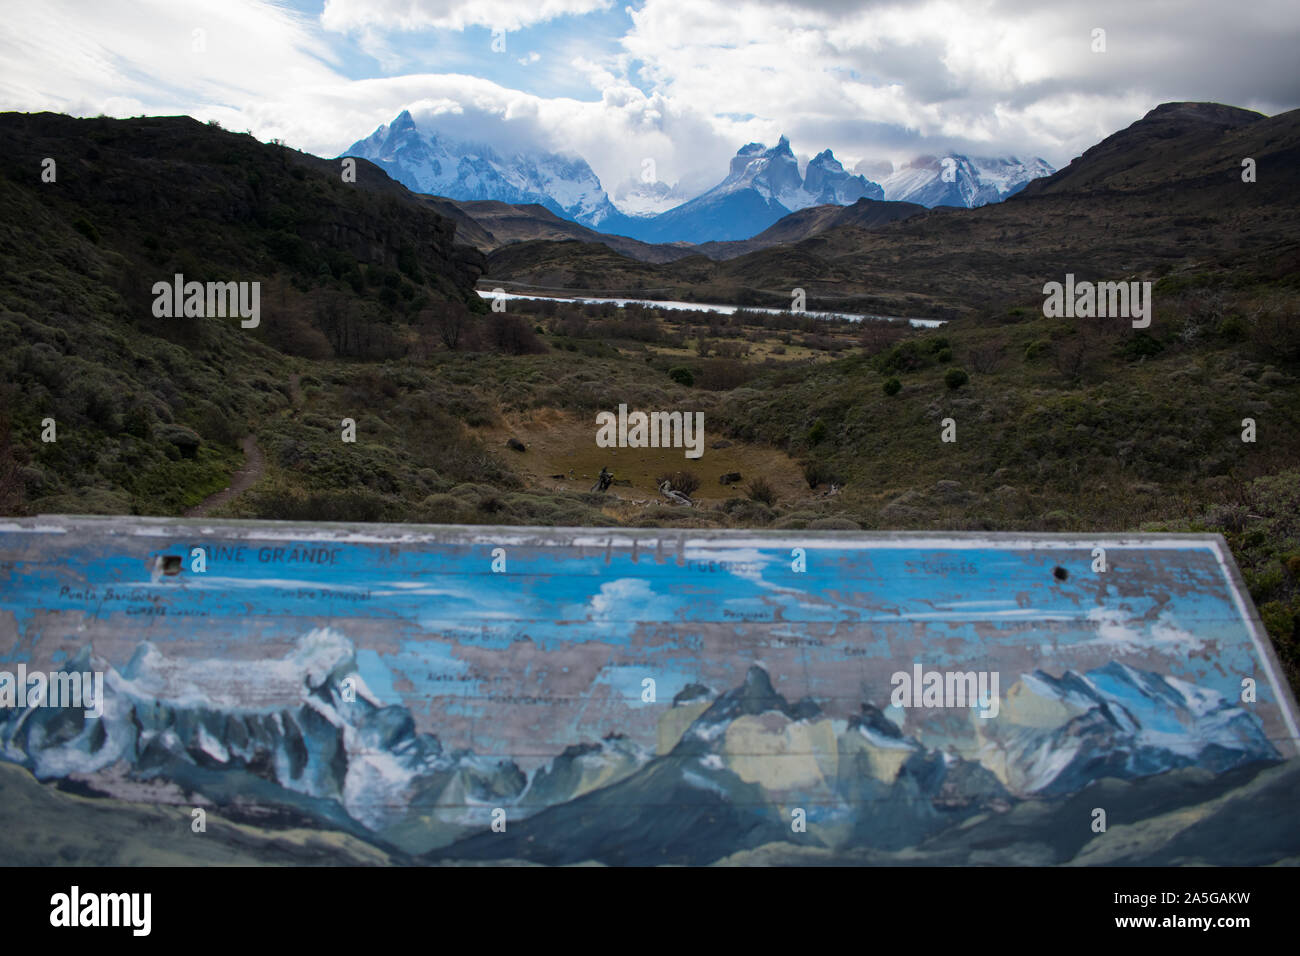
x=265, y=692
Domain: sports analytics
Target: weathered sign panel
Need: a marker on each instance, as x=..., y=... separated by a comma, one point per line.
x=265, y=691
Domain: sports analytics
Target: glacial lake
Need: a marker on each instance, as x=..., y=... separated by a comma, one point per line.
x=722, y=309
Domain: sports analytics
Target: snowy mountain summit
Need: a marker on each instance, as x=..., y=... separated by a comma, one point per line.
x=426, y=161
x=774, y=175
x=958, y=180
x=762, y=185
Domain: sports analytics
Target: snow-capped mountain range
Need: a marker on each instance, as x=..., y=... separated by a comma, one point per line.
x=970, y=181
x=774, y=175
x=868, y=781
x=323, y=746
x=762, y=184
x=637, y=198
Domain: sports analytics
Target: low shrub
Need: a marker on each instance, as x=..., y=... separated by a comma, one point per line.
x=761, y=490
x=684, y=482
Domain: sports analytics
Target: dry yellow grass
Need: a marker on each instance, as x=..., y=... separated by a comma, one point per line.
x=561, y=442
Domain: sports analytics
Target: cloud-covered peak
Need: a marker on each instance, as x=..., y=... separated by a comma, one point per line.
x=427, y=161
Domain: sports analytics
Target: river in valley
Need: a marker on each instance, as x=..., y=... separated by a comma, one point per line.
x=712, y=307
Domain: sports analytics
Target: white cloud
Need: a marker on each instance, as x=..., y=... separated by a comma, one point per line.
x=621, y=599
x=1116, y=629
x=269, y=72
x=876, y=80
x=376, y=45
x=162, y=56
x=450, y=14
x=614, y=134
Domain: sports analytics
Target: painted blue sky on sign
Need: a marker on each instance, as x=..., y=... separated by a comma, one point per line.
x=1168, y=600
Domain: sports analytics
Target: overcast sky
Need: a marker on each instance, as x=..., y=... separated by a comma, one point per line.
x=682, y=82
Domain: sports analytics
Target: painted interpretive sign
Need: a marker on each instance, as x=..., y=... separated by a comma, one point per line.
x=197, y=691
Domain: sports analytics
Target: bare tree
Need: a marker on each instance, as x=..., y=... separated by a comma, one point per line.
x=879, y=335
x=985, y=357
x=451, y=320
x=1075, y=354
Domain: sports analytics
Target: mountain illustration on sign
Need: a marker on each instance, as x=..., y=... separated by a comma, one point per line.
x=716, y=783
